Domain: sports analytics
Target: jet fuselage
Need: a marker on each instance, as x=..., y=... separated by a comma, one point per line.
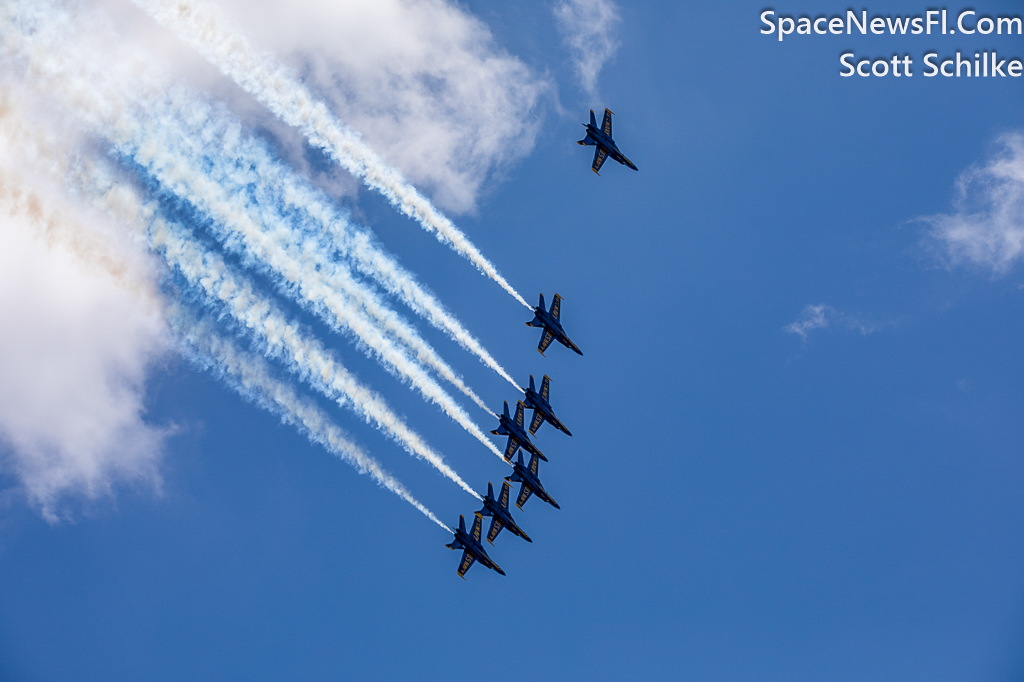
x=522, y=474
x=508, y=427
x=465, y=542
x=608, y=145
x=534, y=401
x=494, y=509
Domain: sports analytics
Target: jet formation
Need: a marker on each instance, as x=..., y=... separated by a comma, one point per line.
x=514, y=427
x=527, y=475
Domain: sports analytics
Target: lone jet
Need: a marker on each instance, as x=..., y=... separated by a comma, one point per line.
x=552, y=327
x=602, y=139
x=516, y=432
x=538, y=402
x=497, y=509
x=472, y=549
x=531, y=482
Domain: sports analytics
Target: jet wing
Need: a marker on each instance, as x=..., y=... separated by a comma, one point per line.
x=556, y=307
x=496, y=527
x=510, y=449
x=545, y=340
x=538, y=419
x=524, y=495
x=467, y=561
x=599, y=156
x=606, y=125
x=519, y=414
x=503, y=498
x=475, y=533
x=545, y=388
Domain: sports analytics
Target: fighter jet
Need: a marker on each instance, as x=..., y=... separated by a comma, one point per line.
x=516, y=432
x=538, y=402
x=497, y=509
x=602, y=139
x=552, y=327
x=531, y=482
x=472, y=549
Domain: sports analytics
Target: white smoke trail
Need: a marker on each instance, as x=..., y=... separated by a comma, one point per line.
x=258, y=73
x=250, y=376
x=306, y=357
x=104, y=105
x=189, y=166
x=283, y=339
x=274, y=186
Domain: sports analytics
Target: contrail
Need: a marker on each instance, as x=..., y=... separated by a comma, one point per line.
x=204, y=28
x=250, y=376
x=282, y=338
x=107, y=109
x=247, y=374
x=188, y=166
x=209, y=273
x=274, y=185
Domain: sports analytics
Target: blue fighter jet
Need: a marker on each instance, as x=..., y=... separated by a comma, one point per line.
x=531, y=482
x=552, y=327
x=497, y=509
x=538, y=402
x=602, y=139
x=472, y=549
x=516, y=432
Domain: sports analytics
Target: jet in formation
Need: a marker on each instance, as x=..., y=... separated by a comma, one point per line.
x=552, y=327
x=528, y=476
x=542, y=412
x=515, y=429
x=472, y=549
x=602, y=139
x=497, y=509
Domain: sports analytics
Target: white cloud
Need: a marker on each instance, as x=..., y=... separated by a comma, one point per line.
x=82, y=326
x=821, y=316
x=987, y=229
x=588, y=30
x=422, y=80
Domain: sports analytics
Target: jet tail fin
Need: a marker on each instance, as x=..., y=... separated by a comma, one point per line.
x=593, y=119
x=532, y=388
x=462, y=523
x=542, y=302
x=490, y=490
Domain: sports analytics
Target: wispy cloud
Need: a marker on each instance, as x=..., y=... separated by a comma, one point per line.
x=83, y=328
x=822, y=316
x=987, y=229
x=588, y=30
x=423, y=81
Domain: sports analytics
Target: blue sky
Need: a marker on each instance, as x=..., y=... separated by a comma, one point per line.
x=738, y=502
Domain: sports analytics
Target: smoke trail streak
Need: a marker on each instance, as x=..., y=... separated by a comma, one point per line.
x=204, y=29
x=274, y=186
x=250, y=376
x=247, y=374
x=283, y=339
x=188, y=166
x=107, y=101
